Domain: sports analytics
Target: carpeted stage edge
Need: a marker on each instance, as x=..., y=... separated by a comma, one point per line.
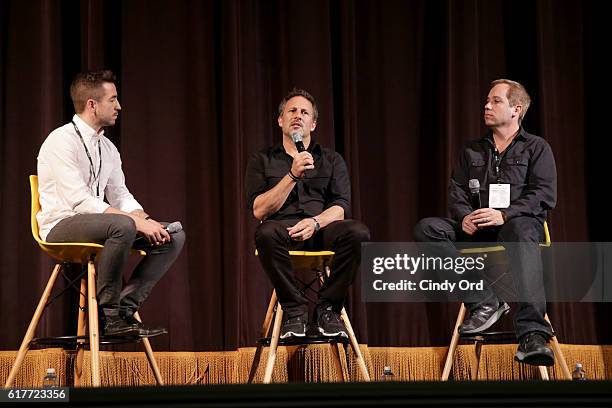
x=310, y=364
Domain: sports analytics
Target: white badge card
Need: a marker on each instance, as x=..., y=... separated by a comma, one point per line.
x=499, y=195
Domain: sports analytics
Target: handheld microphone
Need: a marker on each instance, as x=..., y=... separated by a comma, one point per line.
x=297, y=137
x=474, y=186
x=174, y=227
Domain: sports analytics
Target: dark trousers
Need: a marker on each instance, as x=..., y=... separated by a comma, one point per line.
x=118, y=235
x=343, y=237
x=525, y=263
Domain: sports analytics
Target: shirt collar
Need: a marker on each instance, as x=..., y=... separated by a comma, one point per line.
x=313, y=147
x=87, y=131
x=522, y=135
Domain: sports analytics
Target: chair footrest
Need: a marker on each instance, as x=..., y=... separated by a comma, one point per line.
x=308, y=339
x=71, y=341
x=496, y=336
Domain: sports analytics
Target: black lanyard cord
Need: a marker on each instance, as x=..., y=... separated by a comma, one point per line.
x=92, y=169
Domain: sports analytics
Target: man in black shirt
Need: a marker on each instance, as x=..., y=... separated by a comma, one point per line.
x=517, y=179
x=302, y=199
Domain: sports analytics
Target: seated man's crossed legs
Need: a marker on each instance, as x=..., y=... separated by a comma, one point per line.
x=525, y=266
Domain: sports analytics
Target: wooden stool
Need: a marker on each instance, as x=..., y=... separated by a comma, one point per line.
x=314, y=261
x=64, y=253
x=480, y=338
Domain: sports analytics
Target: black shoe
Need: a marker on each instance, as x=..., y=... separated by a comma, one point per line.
x=483, y=317
x=294, y=327
x=144, y=331
x=330, y=324
x=533, y=350
x=118, y=326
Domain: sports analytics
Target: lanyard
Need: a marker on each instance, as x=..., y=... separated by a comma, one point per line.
x=92, y=170
x=497, y=158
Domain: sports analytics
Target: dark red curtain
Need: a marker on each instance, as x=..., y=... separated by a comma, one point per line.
x=400, y=86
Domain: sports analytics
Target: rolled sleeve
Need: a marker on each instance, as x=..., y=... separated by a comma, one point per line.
x=255, y=179
x=339, y=187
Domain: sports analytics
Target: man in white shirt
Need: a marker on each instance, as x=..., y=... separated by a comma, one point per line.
x=78, y=168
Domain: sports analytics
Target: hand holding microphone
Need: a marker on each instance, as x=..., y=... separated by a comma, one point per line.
x=480, y=217
x=303, y=160
x=157, y=234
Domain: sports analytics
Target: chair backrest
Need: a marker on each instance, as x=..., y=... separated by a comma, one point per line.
x=35, y=207
x=76, y=252
x=547, y=240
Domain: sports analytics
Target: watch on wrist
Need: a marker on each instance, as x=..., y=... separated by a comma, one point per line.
x=317, y=226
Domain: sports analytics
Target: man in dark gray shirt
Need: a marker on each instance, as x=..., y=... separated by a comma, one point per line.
x=302, y=199
x=517, y=181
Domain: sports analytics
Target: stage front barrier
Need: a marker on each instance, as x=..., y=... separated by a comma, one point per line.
x=299, y=364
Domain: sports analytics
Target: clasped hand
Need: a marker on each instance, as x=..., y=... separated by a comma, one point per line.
x=302, y=230
x=481, y=218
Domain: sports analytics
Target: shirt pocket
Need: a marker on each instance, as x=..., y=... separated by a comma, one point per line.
x=273, y=176
x=477, y=169
x=317, y=179
x=515, y=171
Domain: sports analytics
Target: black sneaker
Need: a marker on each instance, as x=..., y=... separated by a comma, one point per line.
x=118, y=326
x=483, y=317
x=294, y=327
x=533, y=350
x=330, y=324
x=144, y=331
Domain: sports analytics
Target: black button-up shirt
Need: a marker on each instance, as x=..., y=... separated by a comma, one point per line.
x=324, y=186
x=527, y=165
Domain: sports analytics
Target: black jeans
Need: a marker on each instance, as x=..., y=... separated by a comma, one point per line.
x=118, y=235
x=343, y=237
x=525, y=263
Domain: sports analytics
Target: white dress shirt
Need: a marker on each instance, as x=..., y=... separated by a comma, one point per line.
x=65, y=181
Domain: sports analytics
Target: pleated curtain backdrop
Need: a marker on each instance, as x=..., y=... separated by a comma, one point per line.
x=400, y=87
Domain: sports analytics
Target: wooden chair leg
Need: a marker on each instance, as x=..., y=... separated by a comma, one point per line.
x=264, y=333
x=450, y=355
x=94, y=335
x=543, y=373
x=273, y=344
x=25, y=343
x=81, y=325
x=150, y=356
x=477, y=353
x=337, y=357
x=355, y=345
x=559, y=354
x=351, y=333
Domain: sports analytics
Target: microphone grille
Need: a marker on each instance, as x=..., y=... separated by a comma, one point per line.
x=474, y=184
x=174, y=227
x=297, y=136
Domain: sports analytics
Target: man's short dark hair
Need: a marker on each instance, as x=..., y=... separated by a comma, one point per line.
x=304, y=94
x=88, y=85
x=517, y=95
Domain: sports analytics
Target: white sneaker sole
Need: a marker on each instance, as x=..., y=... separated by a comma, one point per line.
x=292, y=334
x=340, y=333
